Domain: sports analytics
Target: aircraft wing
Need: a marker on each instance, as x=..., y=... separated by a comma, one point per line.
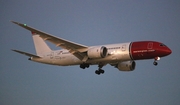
x=27, y=54
x=74, y=48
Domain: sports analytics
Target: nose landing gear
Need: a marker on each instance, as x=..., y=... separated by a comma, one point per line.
x=155, y=61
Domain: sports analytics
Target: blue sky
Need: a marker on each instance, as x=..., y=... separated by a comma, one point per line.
x=89, y=22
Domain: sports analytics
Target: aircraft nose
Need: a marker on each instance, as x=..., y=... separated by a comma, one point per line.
x=164, y=51
x=167, y=51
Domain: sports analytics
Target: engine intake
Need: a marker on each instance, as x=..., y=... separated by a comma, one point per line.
x=126, y=66
x=97, y=52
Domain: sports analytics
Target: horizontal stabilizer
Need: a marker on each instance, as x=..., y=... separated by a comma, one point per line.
x=27, y=54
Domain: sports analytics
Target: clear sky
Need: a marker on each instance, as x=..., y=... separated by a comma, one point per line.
x=89, y=22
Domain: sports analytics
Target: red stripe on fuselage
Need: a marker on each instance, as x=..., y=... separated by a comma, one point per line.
x=148, y=50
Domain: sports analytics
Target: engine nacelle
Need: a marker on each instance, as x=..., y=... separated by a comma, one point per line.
x=97, y=52
x=126, y=66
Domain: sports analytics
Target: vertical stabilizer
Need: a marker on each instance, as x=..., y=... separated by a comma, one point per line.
x=40, y=44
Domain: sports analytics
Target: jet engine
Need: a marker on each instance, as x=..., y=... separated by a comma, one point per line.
x=126, y=66
x=97, y=52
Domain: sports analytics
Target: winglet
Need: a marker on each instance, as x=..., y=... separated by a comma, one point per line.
x=14, y=22
x=20, y=24
x=28, y=27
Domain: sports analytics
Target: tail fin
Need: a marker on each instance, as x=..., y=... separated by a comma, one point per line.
x=40, y=44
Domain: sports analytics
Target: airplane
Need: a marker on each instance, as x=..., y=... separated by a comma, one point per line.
x=121, y=55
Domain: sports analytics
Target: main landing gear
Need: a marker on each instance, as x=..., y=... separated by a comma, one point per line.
x=84, y=65
x=100, y=71
x=155, y=60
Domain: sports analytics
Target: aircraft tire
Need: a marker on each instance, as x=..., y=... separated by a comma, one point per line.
x=155, y=63
x=101, y=71
x=97, y=72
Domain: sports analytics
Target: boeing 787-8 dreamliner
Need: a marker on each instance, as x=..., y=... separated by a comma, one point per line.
x=121, y=55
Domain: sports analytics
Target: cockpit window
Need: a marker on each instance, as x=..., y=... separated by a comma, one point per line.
x=162, y=45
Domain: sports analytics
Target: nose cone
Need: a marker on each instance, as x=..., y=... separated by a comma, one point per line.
x=169, y=51
x=166, y=51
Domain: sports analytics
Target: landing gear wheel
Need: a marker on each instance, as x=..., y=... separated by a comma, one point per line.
x=155, y=60
x=101, y=71
x=155, y=63
x=97, y=72
x=84, y=65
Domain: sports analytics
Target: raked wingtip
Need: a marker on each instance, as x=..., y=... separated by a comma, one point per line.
x=14, y=22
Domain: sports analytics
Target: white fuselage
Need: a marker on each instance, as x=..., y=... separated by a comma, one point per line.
x=116, y=53
x=120, y=55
